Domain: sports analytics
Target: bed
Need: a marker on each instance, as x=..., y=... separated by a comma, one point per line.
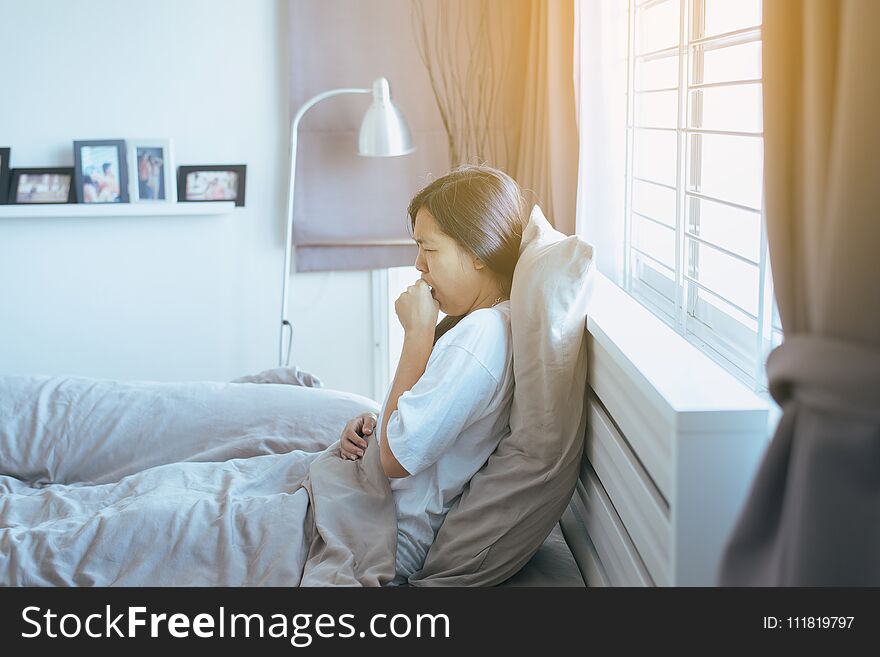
x=671, y=442
x=139, y=483
x=145, y=483
x=552, y=565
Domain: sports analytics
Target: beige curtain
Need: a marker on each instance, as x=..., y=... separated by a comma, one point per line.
x=813, y=514
x=502, y=74
x=547, y=162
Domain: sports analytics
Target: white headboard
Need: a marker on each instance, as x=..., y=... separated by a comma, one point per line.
x=672, y=444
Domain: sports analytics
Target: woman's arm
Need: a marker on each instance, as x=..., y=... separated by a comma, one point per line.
x=417, y=346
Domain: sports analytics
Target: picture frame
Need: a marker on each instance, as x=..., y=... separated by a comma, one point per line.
x=151, y=171
x=41, y=186
x=212, y=182
x=5, y=153
x=100, y=171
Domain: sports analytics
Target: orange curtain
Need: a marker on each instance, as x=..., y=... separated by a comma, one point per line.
x=547, y=162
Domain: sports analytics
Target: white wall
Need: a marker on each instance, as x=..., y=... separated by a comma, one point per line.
x=171, y=298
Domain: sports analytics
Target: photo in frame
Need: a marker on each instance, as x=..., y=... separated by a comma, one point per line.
x=100, y=171
x=40, y=185
x=151, y=170
x=212, y=182
x=4, y=173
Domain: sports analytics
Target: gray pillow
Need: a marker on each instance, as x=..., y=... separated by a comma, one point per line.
x=511, y=504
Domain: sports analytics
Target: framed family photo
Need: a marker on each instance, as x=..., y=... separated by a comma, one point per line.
x=41, y=185
x=151, y=170
x=212, y=182
x=4, y=173
x=101, y=171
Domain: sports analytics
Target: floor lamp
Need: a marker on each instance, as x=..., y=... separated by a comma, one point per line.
x=383, y=133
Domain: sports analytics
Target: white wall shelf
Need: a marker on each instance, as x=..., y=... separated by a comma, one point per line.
x=76, y=210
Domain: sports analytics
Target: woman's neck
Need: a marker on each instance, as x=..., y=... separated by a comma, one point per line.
x=490, y=298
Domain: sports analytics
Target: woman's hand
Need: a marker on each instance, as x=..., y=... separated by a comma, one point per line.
x=416, y=309
x=352, y=442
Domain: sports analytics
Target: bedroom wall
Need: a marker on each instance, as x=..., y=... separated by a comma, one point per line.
x=162, y=298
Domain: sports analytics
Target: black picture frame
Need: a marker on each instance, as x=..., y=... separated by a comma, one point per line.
x=80, y=174
x=15, y=179
x=5, y=154
x=184, y=171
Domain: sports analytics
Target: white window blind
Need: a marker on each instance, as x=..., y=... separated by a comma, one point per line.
x=695, y=242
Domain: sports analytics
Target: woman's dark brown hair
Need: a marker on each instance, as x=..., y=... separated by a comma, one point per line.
x=483, y=209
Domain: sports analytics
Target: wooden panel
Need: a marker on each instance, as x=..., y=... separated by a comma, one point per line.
x=636, y=499
x=644, y=426
x=672, y=444
x=617, y=554
x=582, y=548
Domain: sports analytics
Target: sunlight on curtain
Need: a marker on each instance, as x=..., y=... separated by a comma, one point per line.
x=600, y=96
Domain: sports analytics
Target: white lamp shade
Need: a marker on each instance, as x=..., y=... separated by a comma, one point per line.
x=384, y=132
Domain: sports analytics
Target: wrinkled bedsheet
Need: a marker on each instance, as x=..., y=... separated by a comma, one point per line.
x=138, y=483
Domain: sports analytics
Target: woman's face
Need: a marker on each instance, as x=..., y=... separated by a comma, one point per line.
x=458, y=279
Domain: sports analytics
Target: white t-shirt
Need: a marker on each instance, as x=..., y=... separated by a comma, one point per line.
x=447, y=425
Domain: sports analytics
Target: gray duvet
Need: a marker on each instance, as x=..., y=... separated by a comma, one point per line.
x=111, y=483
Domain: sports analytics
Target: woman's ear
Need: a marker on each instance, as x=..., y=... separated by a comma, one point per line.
x=478, y=264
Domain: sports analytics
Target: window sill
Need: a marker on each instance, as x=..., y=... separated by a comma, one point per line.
x=678, y=378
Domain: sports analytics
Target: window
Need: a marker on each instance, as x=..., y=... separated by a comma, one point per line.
x=695, y=243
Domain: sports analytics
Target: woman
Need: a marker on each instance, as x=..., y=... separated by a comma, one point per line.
x=449, y=403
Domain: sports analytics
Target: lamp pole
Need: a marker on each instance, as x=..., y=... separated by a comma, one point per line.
x=287, y=235
x=383, y=133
